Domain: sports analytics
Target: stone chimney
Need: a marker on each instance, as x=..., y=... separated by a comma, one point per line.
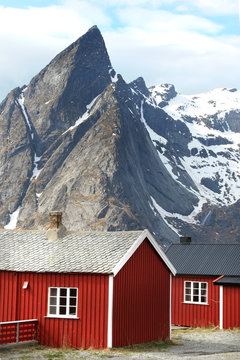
x=185, y=240
x=57, y=229
x=55, y=219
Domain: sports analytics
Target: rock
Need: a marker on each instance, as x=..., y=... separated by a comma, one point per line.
x=212, y=184
x=104, y=152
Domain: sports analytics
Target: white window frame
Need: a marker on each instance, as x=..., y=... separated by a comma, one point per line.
x=199, y=302
x=58, y=315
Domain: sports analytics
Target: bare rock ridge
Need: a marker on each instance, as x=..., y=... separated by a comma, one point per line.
x=108, y=154
x=73, y=139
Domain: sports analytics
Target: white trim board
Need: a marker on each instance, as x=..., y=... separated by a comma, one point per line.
x=145, y=234
x=220, y=307
x=110, y=311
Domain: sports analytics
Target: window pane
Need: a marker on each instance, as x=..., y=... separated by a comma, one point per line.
x=63, y=292
x=195, y=285
x=203, y=292
x=62, y=310
x=73, y=301
x=188, y=284
x=53, y=292
x=53, y=301
x=195, y=298
x=203, y=299
x=73, y=292
x=72, y=310
x=188, y=298
x=63, y=301
x=195, y=292
x=53, y=310
x=204, y=285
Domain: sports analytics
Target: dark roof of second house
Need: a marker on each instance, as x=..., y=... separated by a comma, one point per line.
x=205, y=259
x=228, y=280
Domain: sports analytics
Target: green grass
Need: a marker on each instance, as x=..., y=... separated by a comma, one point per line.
x=157, y=345
x=51, y=353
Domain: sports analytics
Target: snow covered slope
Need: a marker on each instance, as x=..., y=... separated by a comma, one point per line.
x=211, y=156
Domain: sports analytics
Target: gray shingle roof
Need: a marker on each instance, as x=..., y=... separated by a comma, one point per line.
x=205, y=259
x=76, y=252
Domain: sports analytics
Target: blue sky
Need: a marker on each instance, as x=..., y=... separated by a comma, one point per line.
x=193, y=44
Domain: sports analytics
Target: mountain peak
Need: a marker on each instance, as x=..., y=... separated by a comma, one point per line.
x=139, y=84
x=93, y=34
x=163, y=93
x=93, y=28
x=60, y=93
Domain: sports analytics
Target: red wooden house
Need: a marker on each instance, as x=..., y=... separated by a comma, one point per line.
x=86, y=289
x=206, y=288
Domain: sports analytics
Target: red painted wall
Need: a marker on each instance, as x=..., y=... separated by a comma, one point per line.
x=90, y=330
x=193, y=314
x=231, y=307
x=8, y=296
x=141, y=299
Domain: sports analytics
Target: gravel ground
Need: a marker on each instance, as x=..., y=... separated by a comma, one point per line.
x=187, y=344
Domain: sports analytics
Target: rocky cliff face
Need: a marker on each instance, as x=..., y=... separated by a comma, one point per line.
x=110, y=155
x=210, y=156
x=74, y=139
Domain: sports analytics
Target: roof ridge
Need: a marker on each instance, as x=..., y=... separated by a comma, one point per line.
x=190, y=244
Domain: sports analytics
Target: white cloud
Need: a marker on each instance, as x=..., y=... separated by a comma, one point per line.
x=51, y=22
x=132, y=3
x=165, y=21
x=213, y=7
x=161, y=46
x=193, y=62
x=207, y=7
x=31, y=37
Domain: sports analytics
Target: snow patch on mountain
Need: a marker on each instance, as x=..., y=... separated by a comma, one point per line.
x=13, y=220
x=36, y=171
x=84, y=116
x=213, y=162
x=162, y=93
x=217, y=101
x=20, y=101
x=165, y=214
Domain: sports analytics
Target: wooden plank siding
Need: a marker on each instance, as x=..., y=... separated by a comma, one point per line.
x=231, y=307
x=89, y=330
x=8, y=296
x=141, y=299
x=196, y=315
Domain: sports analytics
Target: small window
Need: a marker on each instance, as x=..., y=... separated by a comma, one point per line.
x=195, y=292
x=62, y=302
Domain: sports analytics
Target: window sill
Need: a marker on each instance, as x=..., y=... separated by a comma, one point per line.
x=194, y=303
x=61, y=317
